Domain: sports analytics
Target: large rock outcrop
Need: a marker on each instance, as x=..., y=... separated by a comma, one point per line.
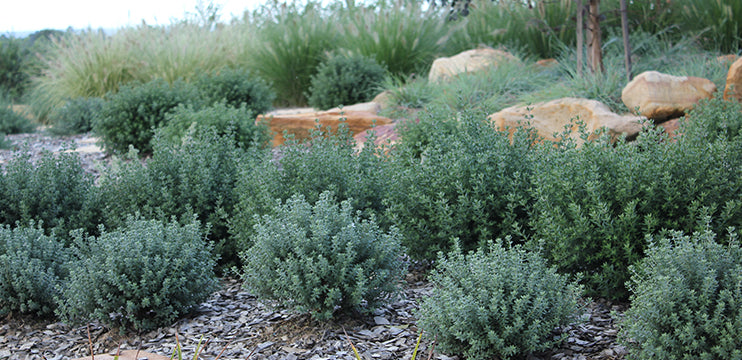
x=358, y=118
x=551, y=117
x=467, y=62
x=661, y=96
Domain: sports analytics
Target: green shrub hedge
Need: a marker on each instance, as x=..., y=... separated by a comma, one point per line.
x=144, y=275
x=77, y=116
x=498, y=302
x=237, y=88
x=326, y=162
x=32, y=269
x=129, y=116
x=316, y=258
x=195, y=177
x=55, y=192
x=345, y=80
x=221, y=117
x=686, y=299
x=466, y=181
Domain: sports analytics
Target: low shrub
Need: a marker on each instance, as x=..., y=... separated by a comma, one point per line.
x=711, y=120
x=326, y=162
x=13, y=59
x=319, y=258
x=32, y=269
x=129, y=117
x=194, y=177
x=141, y=276
x=345, y=80
x=222, y=118
x=55, y=192
x=237, y=87
x=464, y=180
x=686, y=299
x=12, y=122
x=498, y=302
x=77, y=116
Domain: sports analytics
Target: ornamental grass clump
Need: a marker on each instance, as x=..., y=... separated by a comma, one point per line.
x=32, y=270
x=142, y=276
x=686, y=299
x=498, y=302
x=322, y=258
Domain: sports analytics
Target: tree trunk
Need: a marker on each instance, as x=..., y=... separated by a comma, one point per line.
x=580, y=36
x=626, y=47
x=594, y=51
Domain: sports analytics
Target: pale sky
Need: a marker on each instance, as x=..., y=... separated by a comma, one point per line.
x=33, y=15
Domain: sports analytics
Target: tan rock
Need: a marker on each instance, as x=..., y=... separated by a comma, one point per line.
x=300, y=124
x=467, y=62
x=372, y=107
x=661, y=96
x=549, y=118
x=671, y=127
x=733, y=89
x=547, y=63
x=128, y=355
x=385, y=99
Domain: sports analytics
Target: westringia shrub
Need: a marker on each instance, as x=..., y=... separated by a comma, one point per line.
x=345, y=80
x=12, y=122
x=712, y=119
x=326, y=162
x=221, y=117
x=197, y=176
x=237, y=88
x=465, y=181
x=142, y=276
x=319, y=258
x=686, y=300
x=32, y=269
x=129, y=117
x=76, y=116
x=55, y=192
x=498, y=302
x=596, y=204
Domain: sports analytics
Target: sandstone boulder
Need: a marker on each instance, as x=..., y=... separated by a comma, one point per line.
x=661, y=96
x=549, y=118
x=467, y=62
x=671, y=127
x=733, y=89
x=300, y=123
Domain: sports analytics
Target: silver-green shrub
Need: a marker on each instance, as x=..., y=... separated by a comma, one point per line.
x=345, y=80
x=32, y=268
x=141, y=276
x=498, y=302
x=686, y=299
x=322, y=258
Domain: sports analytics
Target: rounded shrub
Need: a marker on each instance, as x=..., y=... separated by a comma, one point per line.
x=237, y=87
x=76, y=116
x=130, y=116
x=144, y=275
x=498, y=302
x=223, y=118
x=686, y=300
x=321, y=258
x=32, y=269
x=345, y=80
x=12, y=122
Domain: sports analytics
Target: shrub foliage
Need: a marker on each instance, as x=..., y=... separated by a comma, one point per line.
x=317, y=258
x=345, y=80
x=498, y=302
x=32, y=269
x=686, y=299
x=237, y=88
x=141, y=276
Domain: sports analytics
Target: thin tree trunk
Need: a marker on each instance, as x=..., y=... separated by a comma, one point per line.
x=595, y=53
x=580, y=36
x=626, y=47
